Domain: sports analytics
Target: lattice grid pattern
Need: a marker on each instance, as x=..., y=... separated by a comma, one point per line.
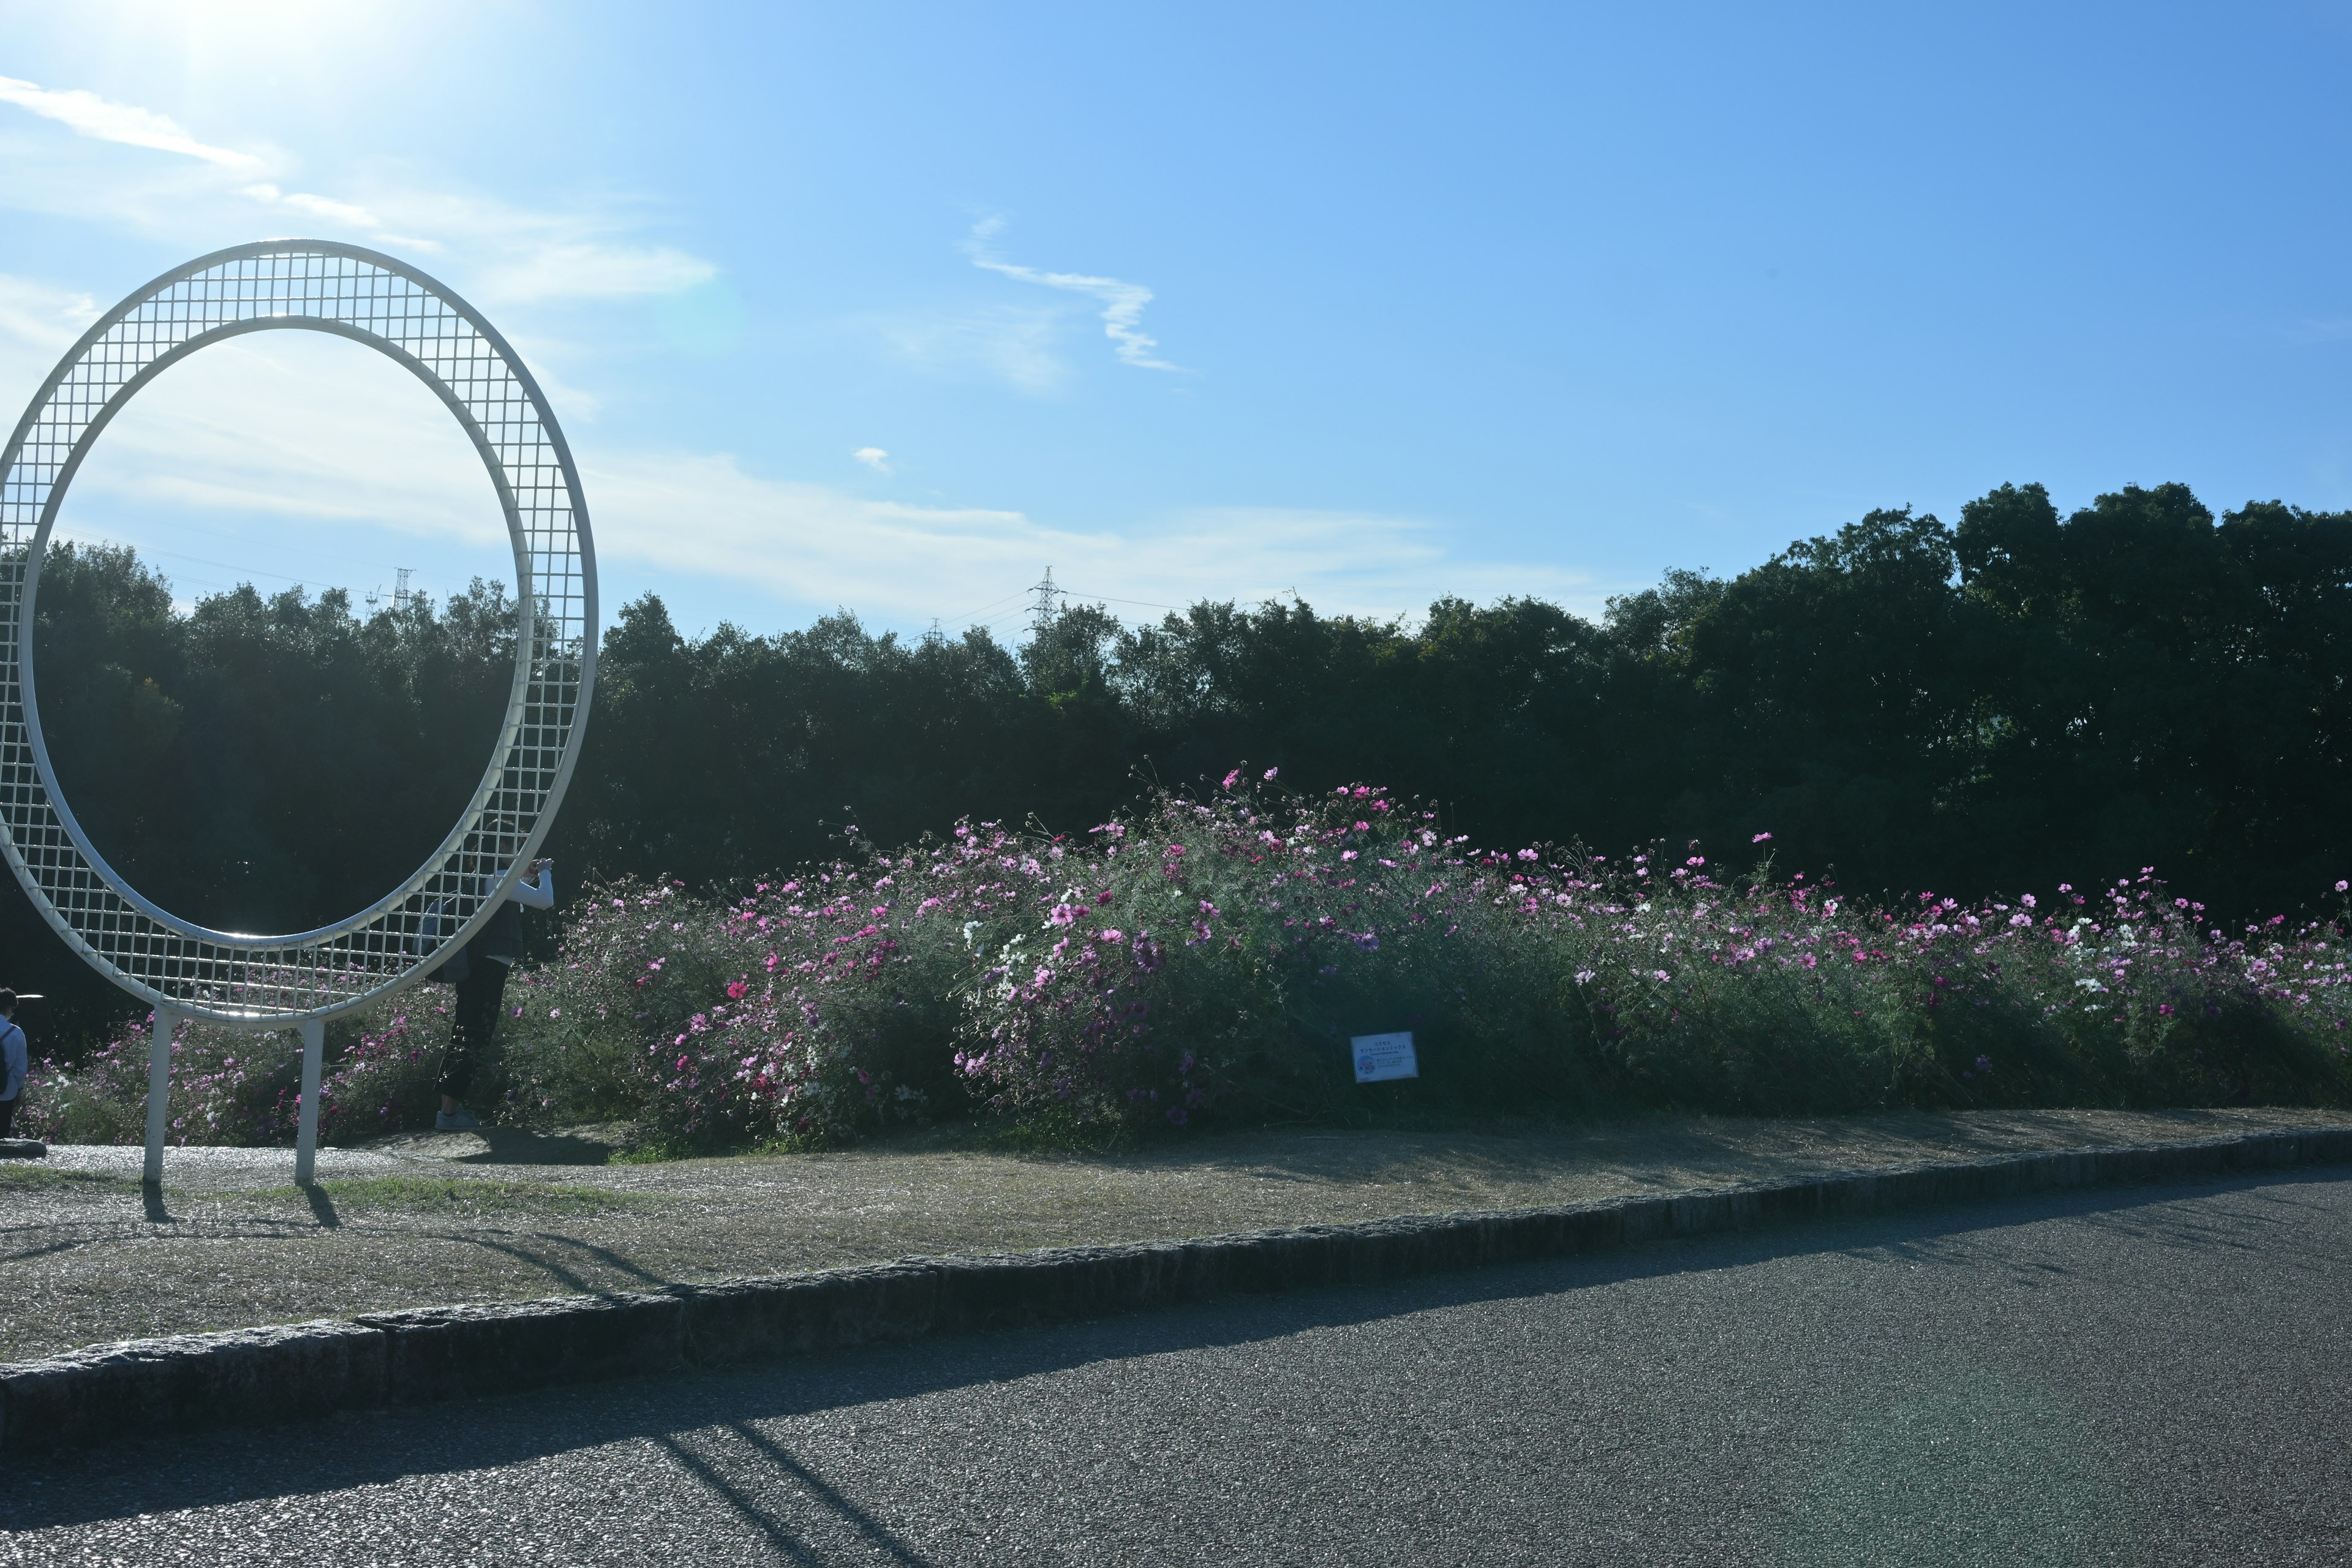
x=373, y=300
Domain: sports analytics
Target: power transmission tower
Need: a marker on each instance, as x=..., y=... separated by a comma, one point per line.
x=400, y=594
x=1041, y=614
x=934, y=638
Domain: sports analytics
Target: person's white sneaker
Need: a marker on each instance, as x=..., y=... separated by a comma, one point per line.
x=457, y=1120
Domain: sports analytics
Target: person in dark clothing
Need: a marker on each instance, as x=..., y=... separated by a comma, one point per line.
x=482, y=993
x=17, y=1059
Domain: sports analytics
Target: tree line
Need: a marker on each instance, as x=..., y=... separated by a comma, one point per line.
x=1997, y=705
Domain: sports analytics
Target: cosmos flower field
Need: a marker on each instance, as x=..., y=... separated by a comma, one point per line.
x=1205, y=960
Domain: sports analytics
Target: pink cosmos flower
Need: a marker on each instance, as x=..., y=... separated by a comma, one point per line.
x=1760, y=839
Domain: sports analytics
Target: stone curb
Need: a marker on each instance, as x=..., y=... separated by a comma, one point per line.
x=257, y=1377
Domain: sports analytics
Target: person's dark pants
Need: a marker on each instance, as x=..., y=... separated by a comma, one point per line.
x=8, y=1117
x=479, y=996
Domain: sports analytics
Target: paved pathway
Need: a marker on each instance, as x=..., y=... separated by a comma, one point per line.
x=2152, y=1375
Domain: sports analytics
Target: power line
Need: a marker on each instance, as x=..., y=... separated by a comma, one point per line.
x=179, y=527
x=244, y=571
x=990, y=605
x=1114, y=599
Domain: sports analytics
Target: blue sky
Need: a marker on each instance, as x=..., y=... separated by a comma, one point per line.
x=1373, y=303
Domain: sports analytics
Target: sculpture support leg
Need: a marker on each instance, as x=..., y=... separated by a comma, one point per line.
x=159, y=1091
x=306, y=1136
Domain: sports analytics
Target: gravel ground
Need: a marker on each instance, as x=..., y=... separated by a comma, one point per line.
x=2137, y=1377
x=229, y=1242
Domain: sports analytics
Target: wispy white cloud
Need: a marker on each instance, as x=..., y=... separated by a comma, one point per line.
x=241, y=432
x=1013, y=346
x=814, y=547
x=524, y=255
x=309, y=450
x=271, y=458
x=294, y=424
x=350, y=214
x=34, y=317
x=521, y=253
x=1122, y=302
x=507, y=253
x=86, y=114
x=37, y=324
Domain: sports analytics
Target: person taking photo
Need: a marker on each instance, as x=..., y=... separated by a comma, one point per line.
x=481, y=993
x=16, y=1058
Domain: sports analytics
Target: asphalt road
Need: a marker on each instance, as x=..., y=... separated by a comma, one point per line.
x=2149, y=1375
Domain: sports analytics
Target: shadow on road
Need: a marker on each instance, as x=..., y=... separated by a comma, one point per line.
x=746, y=1506
x=163, y=1473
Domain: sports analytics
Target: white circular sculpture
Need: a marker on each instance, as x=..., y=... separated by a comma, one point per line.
x=302, y=977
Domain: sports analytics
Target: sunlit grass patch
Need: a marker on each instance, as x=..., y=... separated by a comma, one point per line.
x=479, y=1195
x=37, y=1178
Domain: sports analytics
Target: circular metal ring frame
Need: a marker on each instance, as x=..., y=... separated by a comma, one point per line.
x=371, y=299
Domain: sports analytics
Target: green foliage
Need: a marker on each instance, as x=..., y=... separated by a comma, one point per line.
x=2010, y=702
x=1207, y=958
x=233, y=1086
x=2019, y=699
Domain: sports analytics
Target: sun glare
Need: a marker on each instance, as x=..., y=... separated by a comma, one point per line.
x=219, y=41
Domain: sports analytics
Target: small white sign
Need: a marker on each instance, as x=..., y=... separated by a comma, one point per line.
x=1380, y=1058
